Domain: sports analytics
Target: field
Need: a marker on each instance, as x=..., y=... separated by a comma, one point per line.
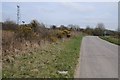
x=111, y=39
x=44, y=62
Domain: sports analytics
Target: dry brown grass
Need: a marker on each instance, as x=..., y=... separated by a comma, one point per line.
x=22, y=40
x=11, y=45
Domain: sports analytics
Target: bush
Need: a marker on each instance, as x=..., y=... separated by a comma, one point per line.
x=53, y=39
x=63, y=33
x=9, y=25
x=68, y=35
x=25, y=32
x=60, y=34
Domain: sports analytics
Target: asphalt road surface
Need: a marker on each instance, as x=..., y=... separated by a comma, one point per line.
x=98, y=59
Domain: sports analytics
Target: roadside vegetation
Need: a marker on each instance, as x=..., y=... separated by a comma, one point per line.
x=111, y=39
x=45, y=62
x=108, y=35
x=34, y=50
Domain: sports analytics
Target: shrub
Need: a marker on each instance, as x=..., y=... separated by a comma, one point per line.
x=60, y=34
x=66, y=32
x=68, y=35
x=25, y=32
x=9, y=25
x=53, y=39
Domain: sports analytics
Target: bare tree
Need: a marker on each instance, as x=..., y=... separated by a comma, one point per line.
x=101, y=26
x=74, y=27
x=99, y=30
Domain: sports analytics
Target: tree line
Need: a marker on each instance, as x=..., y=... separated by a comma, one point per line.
x=100, y=30
x=37, y=27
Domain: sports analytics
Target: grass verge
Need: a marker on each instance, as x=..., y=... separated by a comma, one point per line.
x=44, y=62
x=111, y=39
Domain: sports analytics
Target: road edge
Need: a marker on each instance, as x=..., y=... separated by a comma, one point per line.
x=77, y=69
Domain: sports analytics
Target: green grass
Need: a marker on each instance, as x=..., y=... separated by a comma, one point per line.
x=111, y=39
x=44, y=62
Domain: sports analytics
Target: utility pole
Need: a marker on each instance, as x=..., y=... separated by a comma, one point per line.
x=18, y=14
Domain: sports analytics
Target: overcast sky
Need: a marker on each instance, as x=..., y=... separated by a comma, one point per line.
x=57, y=13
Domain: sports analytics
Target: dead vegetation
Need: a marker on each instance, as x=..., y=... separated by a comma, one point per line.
x=21, y=38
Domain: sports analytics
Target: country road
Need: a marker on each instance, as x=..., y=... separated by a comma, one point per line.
x=98, y=59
